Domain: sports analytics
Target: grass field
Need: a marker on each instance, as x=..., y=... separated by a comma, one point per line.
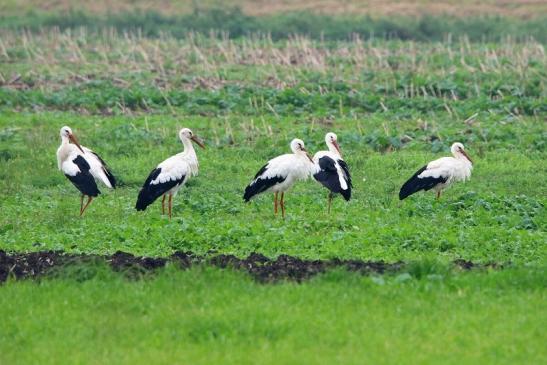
x=395, y=105
x=205, y=316
x=497, y=219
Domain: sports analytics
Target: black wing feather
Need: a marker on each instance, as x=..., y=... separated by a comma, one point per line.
x=415, y=183
x=260, y=185
x=83, y=180
x=328, y=176
x=150, y=192
x=106, y=170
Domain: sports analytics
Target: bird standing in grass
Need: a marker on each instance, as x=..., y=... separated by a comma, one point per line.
x=82, y=167
x=170, y=175
x=440, y=174
x=332, y=170
x=280, y=173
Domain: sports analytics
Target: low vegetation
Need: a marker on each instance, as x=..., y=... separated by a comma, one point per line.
x=216, y=316
x=499, y=216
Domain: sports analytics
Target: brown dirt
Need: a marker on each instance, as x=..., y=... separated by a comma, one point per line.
x=260, y=267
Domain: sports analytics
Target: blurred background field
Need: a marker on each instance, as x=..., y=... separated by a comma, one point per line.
x=518, y=8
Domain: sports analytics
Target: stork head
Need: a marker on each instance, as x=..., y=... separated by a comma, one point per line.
x=297, y=147
x=66, y=133
x=458, y=150
x=332, y=143
x=187, y=134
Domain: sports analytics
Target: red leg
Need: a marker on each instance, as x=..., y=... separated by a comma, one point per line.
x=163, y=205
x=170, y=204
x=275, y=203
x=283, y=205
x=81, y=203
x=87, y=204
x=438, y=194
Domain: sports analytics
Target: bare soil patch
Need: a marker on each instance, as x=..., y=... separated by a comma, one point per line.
x=260, y=267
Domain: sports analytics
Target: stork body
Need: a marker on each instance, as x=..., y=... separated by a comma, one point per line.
x=170, y=175
x=440, y=174
x=82, y=167
x=332, y=171
x=280, y=174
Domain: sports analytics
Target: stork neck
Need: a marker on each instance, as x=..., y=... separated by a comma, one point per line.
x=332, y=149
x=188, y=147
x=64, y=140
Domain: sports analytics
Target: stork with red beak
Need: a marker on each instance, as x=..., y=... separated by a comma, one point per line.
x=440, y=174
x=82, y=167
x=170, y=175
x=332, y=171
x=280, y=174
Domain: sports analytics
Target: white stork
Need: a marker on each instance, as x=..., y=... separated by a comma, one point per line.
x=332, y=171
x=170, y=175
x=82, y=167
x=440, y=174
x=280, y=173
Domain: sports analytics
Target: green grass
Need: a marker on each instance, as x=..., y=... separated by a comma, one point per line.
x=205, y=316
x=108, y=74
x=498, y=216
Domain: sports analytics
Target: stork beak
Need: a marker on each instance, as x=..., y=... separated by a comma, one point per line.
x=335, y=144
x=72, y=138
x=307, y=154
x=466, y=156
x=198, y=141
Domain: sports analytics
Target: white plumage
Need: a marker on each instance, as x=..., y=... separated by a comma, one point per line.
x=66, y=165
x=82, y=167
x=331, y=170
x=171, y=174
x=97, y=167
x=440, y=174
x=280, y=173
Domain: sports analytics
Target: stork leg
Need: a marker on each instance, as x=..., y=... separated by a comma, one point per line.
x=163, y=205
x=330, y=201
x=283, y=205
x=438, y=195
x=89, y=199
x=275, y=203
x=81, y=203
x=170, y=204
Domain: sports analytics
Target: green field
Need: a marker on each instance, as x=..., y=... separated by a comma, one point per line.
x=205, y=316
x=395, y=104
x=499, y=216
